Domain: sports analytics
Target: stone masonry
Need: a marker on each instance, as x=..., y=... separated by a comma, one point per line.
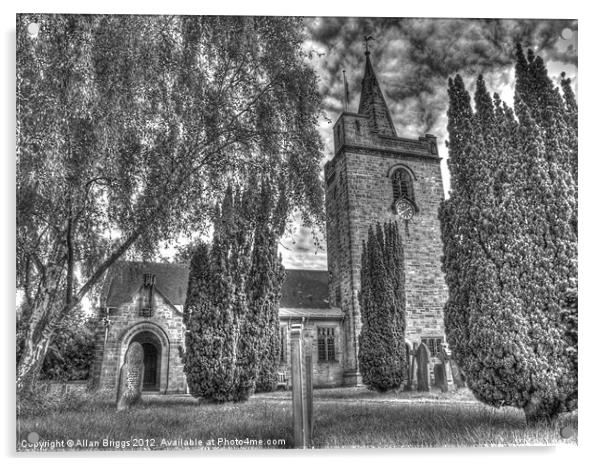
x=161, y=331
x=165, y=327
x=359, y=193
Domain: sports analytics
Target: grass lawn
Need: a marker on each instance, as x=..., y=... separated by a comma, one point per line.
x=344, y=417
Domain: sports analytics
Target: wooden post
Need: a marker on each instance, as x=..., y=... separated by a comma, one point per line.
x=301, y=389
x=309, y=383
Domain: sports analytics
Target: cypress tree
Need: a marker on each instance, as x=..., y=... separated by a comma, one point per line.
x=382, y=354
x=510, y=245
x=215, y=310
x=231, y=311
x=245, y=332
x=198, y=314
x=263, y=290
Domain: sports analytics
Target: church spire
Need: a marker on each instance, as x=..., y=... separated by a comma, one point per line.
x=372, y=101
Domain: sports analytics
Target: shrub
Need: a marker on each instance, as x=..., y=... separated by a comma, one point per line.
x=71, y=354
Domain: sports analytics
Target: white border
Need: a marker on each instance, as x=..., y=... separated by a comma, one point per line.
x=590, y=322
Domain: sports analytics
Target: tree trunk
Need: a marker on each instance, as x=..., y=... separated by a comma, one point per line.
x=47, y=313
x=537, y=412
x=41, y=323
x=32, y=358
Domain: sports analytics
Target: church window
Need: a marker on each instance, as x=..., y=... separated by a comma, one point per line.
x=402, y=185
x=283, y=343
x=146, y=296
x=326, y=344
x=357, y=127
x=433, y=344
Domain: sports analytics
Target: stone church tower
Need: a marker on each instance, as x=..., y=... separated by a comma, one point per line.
x=376, y=176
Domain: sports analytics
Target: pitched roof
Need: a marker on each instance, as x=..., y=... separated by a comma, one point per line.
x=305, y=289
x=372, y=103
x=125, y=279
x=302, y=289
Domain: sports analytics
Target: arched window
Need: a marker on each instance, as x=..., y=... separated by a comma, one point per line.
x=402, y=185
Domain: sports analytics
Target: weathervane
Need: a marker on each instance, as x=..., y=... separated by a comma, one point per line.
x=367, y=39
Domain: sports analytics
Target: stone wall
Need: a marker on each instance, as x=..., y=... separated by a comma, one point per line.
x=165, y=323
x=359, y=193
x=326, y=373
x=62, y=388
x=167, y=320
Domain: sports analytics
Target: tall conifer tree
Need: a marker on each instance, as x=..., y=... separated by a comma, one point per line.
x=382, y=354
x=510, y=243
x=231, y=312
x=263, y=288
x=216, y=309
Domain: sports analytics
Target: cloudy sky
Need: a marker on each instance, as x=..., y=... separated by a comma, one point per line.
x=413, y=59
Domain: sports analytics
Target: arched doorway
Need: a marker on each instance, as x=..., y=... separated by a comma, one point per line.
x=152, y=359
x=154, y=335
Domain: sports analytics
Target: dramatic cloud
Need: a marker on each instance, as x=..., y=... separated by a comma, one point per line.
x=413, y=58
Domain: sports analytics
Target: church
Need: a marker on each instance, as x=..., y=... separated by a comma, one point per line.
x=374, y=176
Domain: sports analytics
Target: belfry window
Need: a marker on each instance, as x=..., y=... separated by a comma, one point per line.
x=402, y=185
x=146, y=296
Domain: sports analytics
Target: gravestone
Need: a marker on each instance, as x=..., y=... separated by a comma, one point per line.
x=423, y=359
x=457, y=374
x=443, y=372
x=448, y=369
x=414, y=366
x=302, y=386
x=129, y=390
x=440, y=378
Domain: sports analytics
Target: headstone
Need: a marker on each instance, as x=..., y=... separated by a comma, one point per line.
x=414, y=367
x=445, y=380
x=457, y=374
x=423, y=359
x=440, y=378
x=129, y=390
x=301, y=375
x=448, y=368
